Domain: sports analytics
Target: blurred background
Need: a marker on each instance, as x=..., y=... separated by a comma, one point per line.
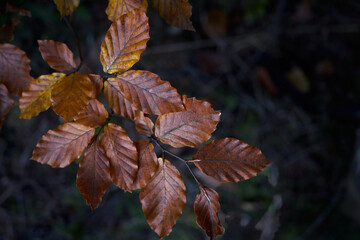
x=285, y=75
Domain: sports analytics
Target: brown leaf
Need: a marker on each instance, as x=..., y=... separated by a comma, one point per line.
x=230, y=160
x=15, y=9
x=71, y=95
x=93, y=176
x=148, y=93
x=14, y=68
x=163, y=198
x=97, y=84
x=7, y=30
x=117, y=8
x=93, y=115
x=143, y=124
x=124, y=42
x=122, y=154
x=5, y=103
x=148, y=163
x=175, y=12
x=187, y=128
x=37, y=98
x=206, y=207
x=66, y=7
x=63, y=145
x=116, y=99
x=57, y=55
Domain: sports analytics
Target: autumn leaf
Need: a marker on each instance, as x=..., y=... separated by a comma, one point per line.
x=37, y=98
x=71, y=95
x=187, y=128
x=57, y=55
x=93, y=176
x=230, y=160
x=66, y=7
x=7, y=30
x=163, y=198
x=122, y=154
x=5, y=103
x=124, y=42
x=148, y=93
x=117, y=8
x=14, y=9
x=63, y=145
x=143, y=124
x=148, y=163
x=206, y=207
x=175, y=12
x=93, y=115
x=14, y=68
x=98, y=84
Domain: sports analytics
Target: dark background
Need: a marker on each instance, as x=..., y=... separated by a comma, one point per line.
x=285, y=75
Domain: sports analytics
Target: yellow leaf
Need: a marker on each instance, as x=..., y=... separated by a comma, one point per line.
x=66, y=7
x=117, y=8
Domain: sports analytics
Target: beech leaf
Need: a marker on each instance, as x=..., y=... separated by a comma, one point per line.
x=7, y=30
x=117, y=8
x=143, y=124
x=124, y=42
x=187, y=128
x=57, y=55
x=66, y=7
x=230, y=160
x=38, y=97
x=163, y=198
x=63, y=145
x=5, y=103
x=206, y=207
x=93, y=115
x=98, y=84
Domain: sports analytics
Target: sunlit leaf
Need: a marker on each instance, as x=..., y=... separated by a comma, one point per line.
x=206, y=207
x=97, y=84
x=66, y=7
x=163, y=198
x=63, y=145
x=143, y=124
x=5, y=103
x=117, y=8
x=14, y=68
x=71, y=95
x=188, y=128
x=7, y=30
x=93, y=115
x=230, y=160
x=124, y=42
x=37, y=98
x=175, y=12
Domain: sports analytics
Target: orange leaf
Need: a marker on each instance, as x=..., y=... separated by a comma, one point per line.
x=188, y=128
x=122, y=154
x=175, y=12
x=63, y=145
x=97, y=84
x=71, y=95
x=206, y=207
x=117, y=8
x=14, y=68
x=143, y=124
x=57, y=55
x=116, y=99
x=148, y=163
x=163, y=198
x=93, y=176
x=5, y=103
x=93, y=115
x=66, y=7
x=230, y=160
x=7, y=30
x=37, y=98
x=148, y=93
x=124, y=42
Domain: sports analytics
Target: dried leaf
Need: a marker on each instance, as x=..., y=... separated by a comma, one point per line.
x=93, y=176
x=122, y=154
x=93, y=115
x=14, y=68
x=37, y=98
x=124, y=42
x=15, y=9
x=5, y=103
x=230, y=160
x=66, y=7
x=7, y=30
x=163, y=198
x=175, y=12
x=116, y=99
x=97, y=84
x=63, y=145
x=187, y=128
x=117, y=8
x=57, y=55
x=148, y=93
x=71, y=95
x=206, y=207
x=143, y=124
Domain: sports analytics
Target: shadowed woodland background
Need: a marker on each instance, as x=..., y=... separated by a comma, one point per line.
x=286, y=76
